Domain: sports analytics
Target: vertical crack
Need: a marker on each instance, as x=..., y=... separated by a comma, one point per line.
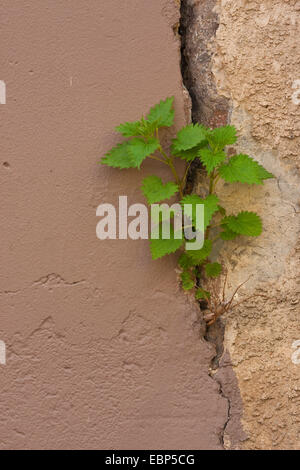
x=197, y=29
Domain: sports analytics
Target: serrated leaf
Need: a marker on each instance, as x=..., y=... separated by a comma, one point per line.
x=243, y=169
x=202, y=294
x=228, y=234
x=187, y=279
x=213, y=269
x=130, y=129
x=155, y=191
x=139, y=149
x=211, y=159
x=197, y=256
x=245, y=223
x=189, y=155
x=162, y=247
x=162, y=114
x=189, y=137
x=185, y=261
x=210, y=206
x=137, y=128
x=119, y=157
x=222, y=136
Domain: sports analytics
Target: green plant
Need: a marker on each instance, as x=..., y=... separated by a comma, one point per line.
x=193, y=141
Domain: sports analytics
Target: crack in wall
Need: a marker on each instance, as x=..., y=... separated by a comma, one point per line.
x=197, y=30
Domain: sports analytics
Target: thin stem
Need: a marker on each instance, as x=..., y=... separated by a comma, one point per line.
x=211, y=182
x=236, y=291
x=158, y=159
x=224, y=287
x=185, y=175
x=177, y=179
x=216, y=181
x=169, y=161
x=245, y=300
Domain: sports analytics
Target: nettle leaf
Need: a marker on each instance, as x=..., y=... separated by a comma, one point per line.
x=189, y=137
x=222, y=136
x=139, y=149
x=198, y=256
x=155, y=191
x=211, y=159
x=245, y=223
x=162, y=114
x=213, y=269
x=243, y=169
x=202, y=294
x=138, y=128
x=185, y=261
x=162, y=247
x=210, y=206
x=130, y=129
x=119, y=157
x=228, y=234
x=188, y=155
x=187, y=279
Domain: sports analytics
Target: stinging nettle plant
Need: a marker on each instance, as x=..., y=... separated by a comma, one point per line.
x=192, y=141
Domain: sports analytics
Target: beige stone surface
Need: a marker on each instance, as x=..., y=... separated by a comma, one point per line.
x=255, y=64
x=103, y=349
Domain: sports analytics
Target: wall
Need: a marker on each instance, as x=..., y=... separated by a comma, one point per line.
x=250, y=51
x=256, y=64
x=103, y=349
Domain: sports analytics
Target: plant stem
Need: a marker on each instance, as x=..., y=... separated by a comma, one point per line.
x=185, y=175
x=211, y=189
x=177, y=179
x=158, y=159
x=170, y=163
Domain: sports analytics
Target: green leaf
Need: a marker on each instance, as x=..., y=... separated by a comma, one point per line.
x=119, y=157
x=137, y=128
x=162, y=115
x=211, y=159
x=189, y=137
x=210, y=206
x=161, y=247
x=185, y=261
x=222, y=136
x=243, y=169
x=213, y=269
x=130, y=129
x=228, y=234
x=245, y=223
x=139, y=149
x=197, y=256
x=155, y=191
x=187, y=155
x=187, y=279
x=202, y=294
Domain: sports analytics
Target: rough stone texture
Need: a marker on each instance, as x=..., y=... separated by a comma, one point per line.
x=256, y=62
x=242, y=58
x=198, y=28
x=103, y=348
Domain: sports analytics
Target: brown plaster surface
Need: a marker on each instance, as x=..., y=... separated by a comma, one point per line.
x=103, y=351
